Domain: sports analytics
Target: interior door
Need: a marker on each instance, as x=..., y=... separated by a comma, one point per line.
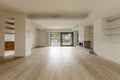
x=66, y=39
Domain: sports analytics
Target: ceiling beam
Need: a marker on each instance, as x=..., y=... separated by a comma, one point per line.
x=59, y=15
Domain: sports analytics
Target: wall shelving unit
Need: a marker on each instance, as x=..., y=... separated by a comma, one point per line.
x=114, y=29
x=10, y=26
x=113, y=33
x=9, y=34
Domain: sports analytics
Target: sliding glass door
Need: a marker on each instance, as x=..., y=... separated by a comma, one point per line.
x=66, y=39
x=61, y=38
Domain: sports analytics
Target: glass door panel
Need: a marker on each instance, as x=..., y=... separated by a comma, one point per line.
x=55, y=38
x=67, y=39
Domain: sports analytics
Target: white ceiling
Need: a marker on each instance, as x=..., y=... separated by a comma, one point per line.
x=95, y=8
x=41, y=7
x=56, y=24
x=48, y=6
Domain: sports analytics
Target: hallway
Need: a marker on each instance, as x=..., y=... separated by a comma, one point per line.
x=59, y=63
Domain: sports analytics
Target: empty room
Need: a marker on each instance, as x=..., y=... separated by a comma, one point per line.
x=59, y=39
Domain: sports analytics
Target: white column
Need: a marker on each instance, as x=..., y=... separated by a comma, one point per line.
x=2, y=41
x=98, y=35
x=75, y=37
x=20, y=31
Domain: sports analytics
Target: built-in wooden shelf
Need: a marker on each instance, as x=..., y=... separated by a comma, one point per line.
x=113, y=33
x=113, y=18
x=112, y=30
x=8, y=33
x=117, y=26
x=10, y=20
x=10, y=28
x=10, y=23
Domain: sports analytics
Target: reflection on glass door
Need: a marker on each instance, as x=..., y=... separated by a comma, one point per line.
x=67, y=39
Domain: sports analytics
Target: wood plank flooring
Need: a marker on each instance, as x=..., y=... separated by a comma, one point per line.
x=59, y=63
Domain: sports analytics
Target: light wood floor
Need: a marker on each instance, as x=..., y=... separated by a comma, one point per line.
x=59, y=63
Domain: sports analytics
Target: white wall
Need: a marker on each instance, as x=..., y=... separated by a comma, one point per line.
x=105, y=45
x=44, y=37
